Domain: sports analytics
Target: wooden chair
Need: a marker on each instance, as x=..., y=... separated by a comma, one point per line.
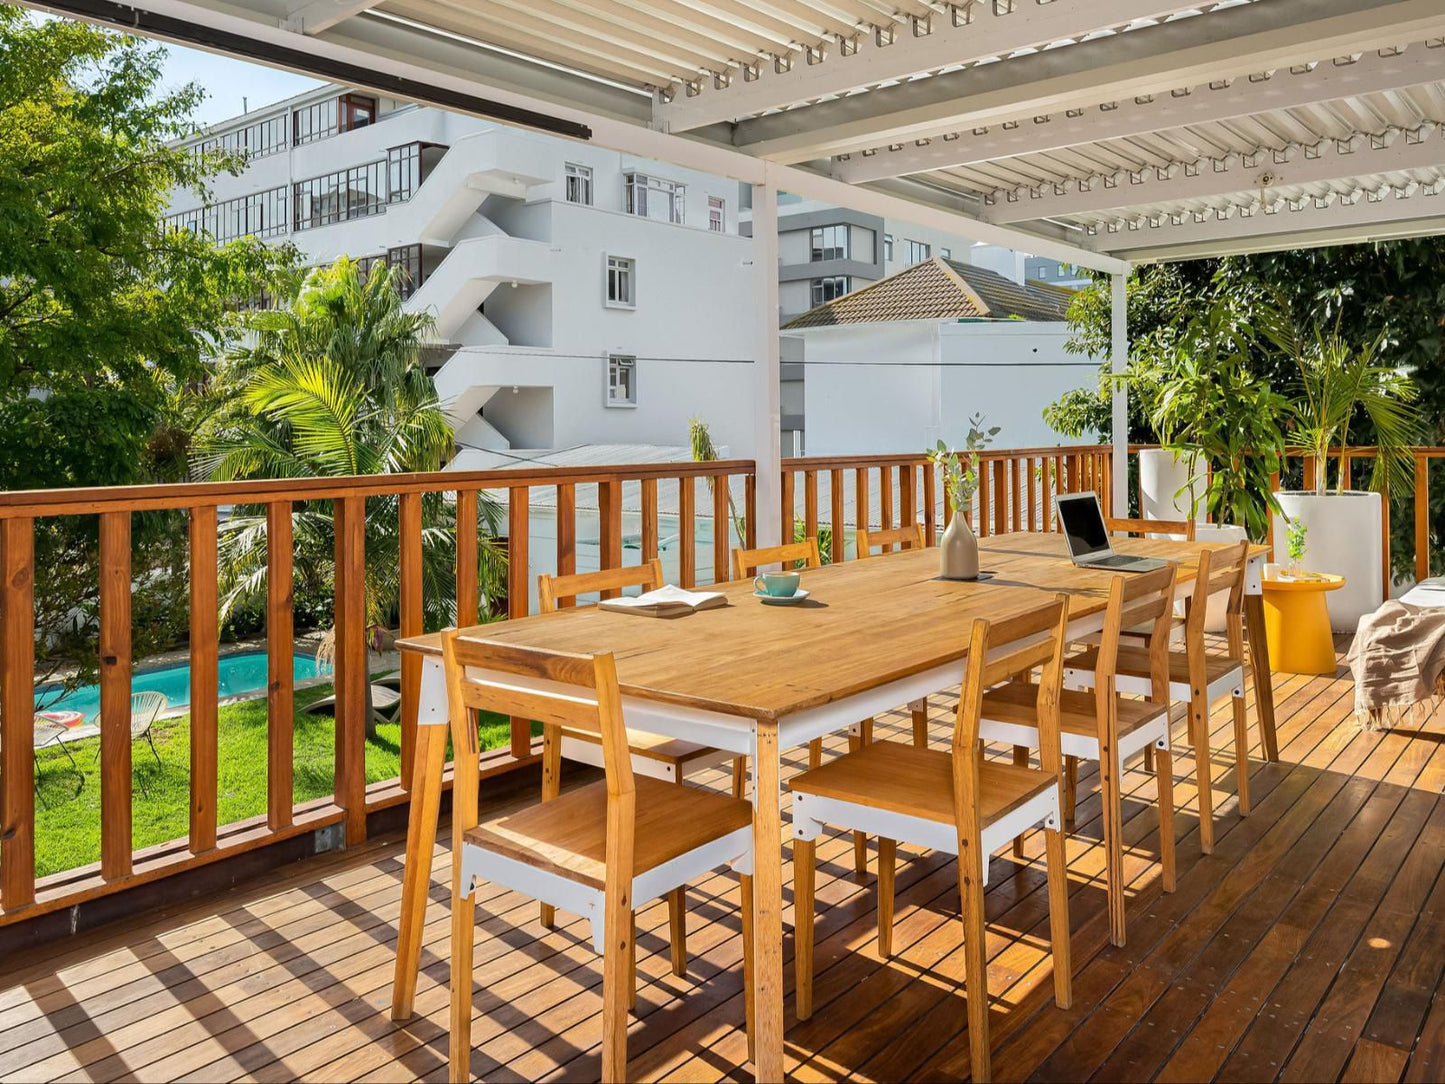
x=598, y=850
x=653, y=755
x=747, y=562
x=1119, y=525
x=909, y=536
x=957, y=802
x=1196, y=676
x=1105, y=727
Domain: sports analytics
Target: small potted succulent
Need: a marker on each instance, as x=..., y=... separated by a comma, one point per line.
x=958, y=548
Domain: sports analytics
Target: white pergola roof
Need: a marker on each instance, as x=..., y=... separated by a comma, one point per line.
x=1099, y=132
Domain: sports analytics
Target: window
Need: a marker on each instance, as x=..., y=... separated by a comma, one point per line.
x=579, y=184
x=829, y=243
x=888, y=246
x=408, y=258
x=653, y=197
x=253, y=141
x=946, y=253
x=341, y=196
x=261, y=214
x=621, y=380
x=717, y=216
x=313, y=122
x=827, y=289
x=621, y=282
x=917, y=252
x=355, y=111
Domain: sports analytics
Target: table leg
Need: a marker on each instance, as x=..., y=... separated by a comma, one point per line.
x=1263, y=681
x=768, y=906
x=421, y=834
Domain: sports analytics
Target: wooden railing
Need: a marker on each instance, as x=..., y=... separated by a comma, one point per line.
x=890, y=491
x=1015, y=486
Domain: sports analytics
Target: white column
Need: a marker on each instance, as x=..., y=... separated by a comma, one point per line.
x=1119, y=399
x=767, y=368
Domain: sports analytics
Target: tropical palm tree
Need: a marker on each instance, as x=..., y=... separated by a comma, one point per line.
x=334, y=385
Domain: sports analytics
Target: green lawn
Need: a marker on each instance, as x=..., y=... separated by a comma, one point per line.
x=67, y=806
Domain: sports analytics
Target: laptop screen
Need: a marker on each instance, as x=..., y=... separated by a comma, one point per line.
x=1083, y=524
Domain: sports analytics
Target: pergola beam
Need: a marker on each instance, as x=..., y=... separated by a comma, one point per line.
x=1328, y=160
x=314, y=16
x=1224, y=44
x=1370, y=217
x=1370, y=73
x=884, y=53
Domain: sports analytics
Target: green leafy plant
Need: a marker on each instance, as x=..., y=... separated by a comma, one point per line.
x=1296, y=540
x=1340, y=384
x=960, y=475
x=699, y=439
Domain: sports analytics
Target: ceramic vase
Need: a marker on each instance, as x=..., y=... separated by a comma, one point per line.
x=958, y=550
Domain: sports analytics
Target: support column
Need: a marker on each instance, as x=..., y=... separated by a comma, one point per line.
x=1119, y=397
x=767, y=368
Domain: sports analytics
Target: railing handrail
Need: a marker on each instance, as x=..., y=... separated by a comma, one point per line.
x=23, y=503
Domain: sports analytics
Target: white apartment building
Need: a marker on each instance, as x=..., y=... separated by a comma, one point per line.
x=581, y=296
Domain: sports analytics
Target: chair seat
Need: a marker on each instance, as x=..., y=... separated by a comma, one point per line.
x=1016, y=702
x=1134, y=662
x=918, y=782
x=673, y=751
x=568, y=835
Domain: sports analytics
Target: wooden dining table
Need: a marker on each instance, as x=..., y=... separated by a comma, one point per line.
x=759, y=680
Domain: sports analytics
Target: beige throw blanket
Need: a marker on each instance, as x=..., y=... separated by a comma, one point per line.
x=1398, y=661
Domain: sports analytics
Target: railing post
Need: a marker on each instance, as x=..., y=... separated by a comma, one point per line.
x=115, y=689
x=1386, y=579
x=750, y=510
x=468, y=600
x=836, y=516
x=721, y=529
x=862, y=510
x=983, y=497
x=609, y=514
x=410, y=623
x=1000, y=496
x=649, y=525
x=907, y=495
x=930, y=495
x=280, y=666
x=885, y=502
x=686, y=531
x=204, y=678
x=810, y=504
x=787, y=504
x=1422, y=516
x=17, y=713
x=1016, y=493
x=351, y=676
x=518, y=594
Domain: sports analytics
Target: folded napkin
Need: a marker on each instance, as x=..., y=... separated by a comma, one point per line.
x=1398, y=662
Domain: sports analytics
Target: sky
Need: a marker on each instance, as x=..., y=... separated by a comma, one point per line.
x=230, y=85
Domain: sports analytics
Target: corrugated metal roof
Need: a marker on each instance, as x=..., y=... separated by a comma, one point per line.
x=940, y=289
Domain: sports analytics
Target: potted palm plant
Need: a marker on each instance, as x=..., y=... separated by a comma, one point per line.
x=1340, y=385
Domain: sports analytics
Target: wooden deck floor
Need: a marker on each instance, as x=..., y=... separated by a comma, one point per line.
x=1307, y=947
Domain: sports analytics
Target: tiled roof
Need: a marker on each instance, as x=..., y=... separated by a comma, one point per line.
x=940, y=289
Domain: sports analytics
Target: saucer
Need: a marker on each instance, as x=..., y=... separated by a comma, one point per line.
x=781, y=600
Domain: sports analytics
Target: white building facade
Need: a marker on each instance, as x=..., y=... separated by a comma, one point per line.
x=581, y=296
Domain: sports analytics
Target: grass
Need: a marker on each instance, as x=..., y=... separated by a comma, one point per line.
x=67, y=805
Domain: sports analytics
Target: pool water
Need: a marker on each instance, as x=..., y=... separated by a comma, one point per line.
x=238, y=674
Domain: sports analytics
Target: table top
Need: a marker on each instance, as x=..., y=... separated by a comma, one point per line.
x=867, y=623
x=1326, y=581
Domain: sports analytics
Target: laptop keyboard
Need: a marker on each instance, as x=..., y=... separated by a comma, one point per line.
x=1114, y=561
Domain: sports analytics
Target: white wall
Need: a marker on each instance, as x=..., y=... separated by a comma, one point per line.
x=900, y=387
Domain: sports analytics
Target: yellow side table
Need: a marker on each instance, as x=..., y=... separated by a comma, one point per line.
x=1297, y=623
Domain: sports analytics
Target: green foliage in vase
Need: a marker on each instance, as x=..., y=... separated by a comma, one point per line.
x=960, y=475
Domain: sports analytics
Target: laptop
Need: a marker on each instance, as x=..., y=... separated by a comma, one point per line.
x=1088, y=539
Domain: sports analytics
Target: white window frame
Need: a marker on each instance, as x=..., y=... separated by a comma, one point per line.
x=816, y=289
x=625, y=270
x=641, y=188
x=823, y=240
x=888, y=246
x=946, y=253
x=613, y=366
x=717, y=214
x=582, y=176
x=912, y=250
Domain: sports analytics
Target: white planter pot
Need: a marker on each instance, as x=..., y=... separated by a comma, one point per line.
x=1214, y=616
x=1164, y=491
x=1343, y=538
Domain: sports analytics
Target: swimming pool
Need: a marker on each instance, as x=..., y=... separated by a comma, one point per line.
x=244, y=672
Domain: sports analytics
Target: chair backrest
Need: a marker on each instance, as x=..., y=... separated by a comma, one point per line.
x=557, y=591
x=1218, y=570
x=1119, y=525
x=578, y=692
x=145, y=708
x=1143, y=604
x=747, y=562
x=1000, y=649
x=909, y=536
